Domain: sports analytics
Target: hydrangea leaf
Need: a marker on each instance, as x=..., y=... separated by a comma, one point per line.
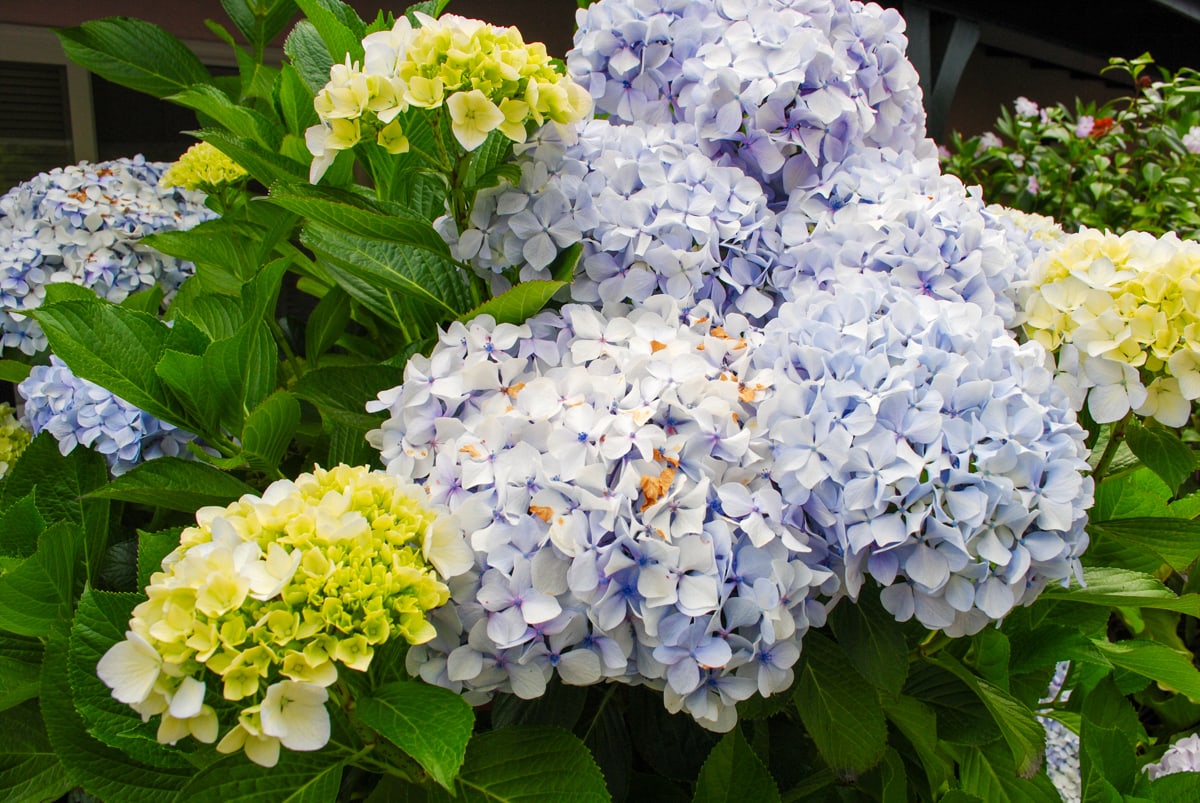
x=29, y=769
x=36, y=597
x=526, y=765
x=961, y=717
x=873, y=640
x=1109, y=732
x=1176, y=542
x=297, y=778
x=20, y=525
x=1120, y=588
x=265, y=165
x=13, y=371
x=174, y=484
x=607, y=738
x=839, y=708
x=309, y=55
x=100, y=622
x=1024, y=735
x=151, y=549
x=356, y=214
x=918, y=723
x=518, y=303
x=431, y=724
x=260, y=22
x=102, y=771
x=1161, y=451
x=326, y=324
x=20, y=663
x=134, y=53
x=732, y=772
x=339, y=26
x=1181, y=787
x=269, y=429
x=559, y=707
x=1151, y=659
x=990, y=774
x=240, y=120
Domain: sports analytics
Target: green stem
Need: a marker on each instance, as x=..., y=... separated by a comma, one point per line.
x=281, y=339
x=1115, y=437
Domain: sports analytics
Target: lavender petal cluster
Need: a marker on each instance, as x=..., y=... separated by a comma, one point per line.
x=1182, y=756
x=654, y=215
x=1062, y=743
x=779, y=88
x=624, y=521
x=931, y=450
x=83, y=224
x=78, y=412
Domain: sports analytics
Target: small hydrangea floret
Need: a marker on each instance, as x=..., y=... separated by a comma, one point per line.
x=203, y=167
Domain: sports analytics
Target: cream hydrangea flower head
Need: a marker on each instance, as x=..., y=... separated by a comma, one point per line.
x=13, y=438
x=202, y=166
x=1123, y=315
x=266, y=596
x=488, y=78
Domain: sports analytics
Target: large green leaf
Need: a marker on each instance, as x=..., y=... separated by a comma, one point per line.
x=103, y=771
x=295, y=101
x=733, y=772
x=1024, y=735
x=1175, y=541
x=175, y=484
x=114, y=347
x=339, y=26
x=989, y=774
x=839, y=708
x=873, y=640
x=269, y=429
x=918, y=723
x=1140, y=494
x=260, y=21
x=20, y=664
x=326, y=324
x=240, y=120
x=347, y=388
x=431, y=724
x=135, y=54
x=20, y=525
x=409, y=288
x=1109, y=732
x=1170, y=668
x=29, y=769
x=1161, y=451
x=309, y=55
x=297, y=778
x=1121, y=588
x=264, y=165
x=355, y=214
x=962, y=718
x=518, y=303
x=526, y=765
x=38, y=595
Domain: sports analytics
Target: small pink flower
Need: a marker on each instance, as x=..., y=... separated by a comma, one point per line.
x=1084, y=126
x=1032, y=185
x=1191, y=140
x=1025, y=107
x=988, y=139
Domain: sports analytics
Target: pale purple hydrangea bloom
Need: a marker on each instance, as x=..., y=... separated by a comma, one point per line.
x=78, y=412
x=931, y=450
x=82, y=224
x=624, y=523
x=1191, y=140
x=1062, y=743
x=1183, y=756
x=778, y=88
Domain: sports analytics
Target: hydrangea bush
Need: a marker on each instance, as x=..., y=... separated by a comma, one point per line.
x=657, y=421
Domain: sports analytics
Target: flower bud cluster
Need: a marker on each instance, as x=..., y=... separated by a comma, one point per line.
x=1123, y=314
x=617, y=491
x=78, y=412
x=82, y=224
x=13, y=438
x=268, y=596
x=931, y=451
x=202, y=167
x=487, y=77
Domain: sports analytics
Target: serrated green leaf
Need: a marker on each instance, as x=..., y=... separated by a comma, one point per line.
x=151, y=549
x=102, y=771
x=297, y=778
x=148, y=301
x=431, y=724
x=217, y=316
x=20, y=525
x=526, y=765
x=29, y=769
x=918, y=723
x=560, y=707
x=961, y=717
x=20, y=663
x=260, y=22
x=241, y=121
x=309, y=55
x=134, y=54
x=175, y=484
x=1161, y=451
x=269, y=429
x=13, y=371
x=348, y=444
x=607, y=738
x=1121, y=588
x=495, y=149
x=1170, y=668
x=264, y=165
x=354, y=214
x=326, y=324
x=1109, y=731
x=1024, y=735
x=100, y=622
x=1180, y=787
x=732, y=772
x=838, y=707
x=518, y=303
x=873, y=641
x=347, y=388
x=339, y=26
x=1175, y=541
x=989, y=774
x=37, y=596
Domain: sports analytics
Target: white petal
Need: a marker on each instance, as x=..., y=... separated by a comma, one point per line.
x=130, y=668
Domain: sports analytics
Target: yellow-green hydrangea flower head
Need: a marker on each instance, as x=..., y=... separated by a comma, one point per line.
x=13, y=438
x=267, y=598
x=487, y=77
x=202, y=167
x=1123, y=314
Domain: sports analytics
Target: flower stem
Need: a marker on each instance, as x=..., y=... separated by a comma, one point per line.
x=1115, y=437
